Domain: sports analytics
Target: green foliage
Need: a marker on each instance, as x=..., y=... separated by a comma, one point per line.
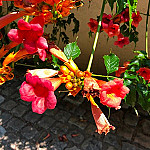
x=139, y=87
x=72, y=50
x=111, y=62
x=55, y=62
x=131, y=97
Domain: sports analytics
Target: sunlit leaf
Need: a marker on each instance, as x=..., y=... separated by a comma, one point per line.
x=72, y=50
x=111, y=63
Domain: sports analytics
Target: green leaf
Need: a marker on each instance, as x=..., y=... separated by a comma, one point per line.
x=141, y=52
x=134, y=62
x=111, y=63
x=131, y=97
x=121, y=4
x=127, y=82
x=72, y=50
x=144, y=101
x=55, y=62
x=129, y=76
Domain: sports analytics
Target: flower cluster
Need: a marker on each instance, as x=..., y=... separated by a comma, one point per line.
x=40, y=85
x=111, y=25
x=30, y=34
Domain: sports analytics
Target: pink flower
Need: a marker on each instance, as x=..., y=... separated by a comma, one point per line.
x=113, y=29
x=122, y=41
x=144, y=72
x=136, y=19
x=40, y=92
x=113, y=92
x=30, y=34
x=93, y=24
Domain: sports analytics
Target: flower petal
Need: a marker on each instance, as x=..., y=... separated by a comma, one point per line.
x=42, y=43
x=15, y=35
x=26, y=92
x=38, y=105
x=51, y=100
x=43, y=73
x=23, y=25
x=101, y=121
x=42, y=54
x=30, y=47
x=38, y=20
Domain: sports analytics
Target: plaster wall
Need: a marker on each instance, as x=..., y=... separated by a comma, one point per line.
x=85, y=43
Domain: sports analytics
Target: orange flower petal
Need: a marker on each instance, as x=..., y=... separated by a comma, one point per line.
x=56, y=82
x=59, y=54
x=75, y=92
x=2, y=80
x=8, y=59
x=15, y=57
x=71, y=65
x=9, y=76
x=5, y=49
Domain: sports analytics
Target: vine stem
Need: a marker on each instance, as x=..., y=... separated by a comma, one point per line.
x=146, y=32
x=27, y=18
x=97, y=75
x=96, y=37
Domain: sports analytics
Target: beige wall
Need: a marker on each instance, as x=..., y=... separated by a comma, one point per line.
x=85, y=43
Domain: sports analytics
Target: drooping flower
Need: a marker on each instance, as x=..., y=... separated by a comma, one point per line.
x=120, y=71
x=113, y=92
x=144, y=72
x=101, y=121
x=122, y=41
x=93, y=24
x=125, y=16
x=40, y=92
x=30, y=34
x=136, y=18
x=105, y=21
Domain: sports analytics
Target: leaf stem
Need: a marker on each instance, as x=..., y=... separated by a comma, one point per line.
x=97, y=75
x=96, y=37
x=146, y=32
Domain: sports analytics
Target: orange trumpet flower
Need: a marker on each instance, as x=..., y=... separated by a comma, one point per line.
x=5, y=49
x=15, y=57
x=101, y=121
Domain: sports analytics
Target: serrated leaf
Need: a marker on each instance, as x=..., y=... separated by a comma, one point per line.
x=72, y=50
x=111, y=62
